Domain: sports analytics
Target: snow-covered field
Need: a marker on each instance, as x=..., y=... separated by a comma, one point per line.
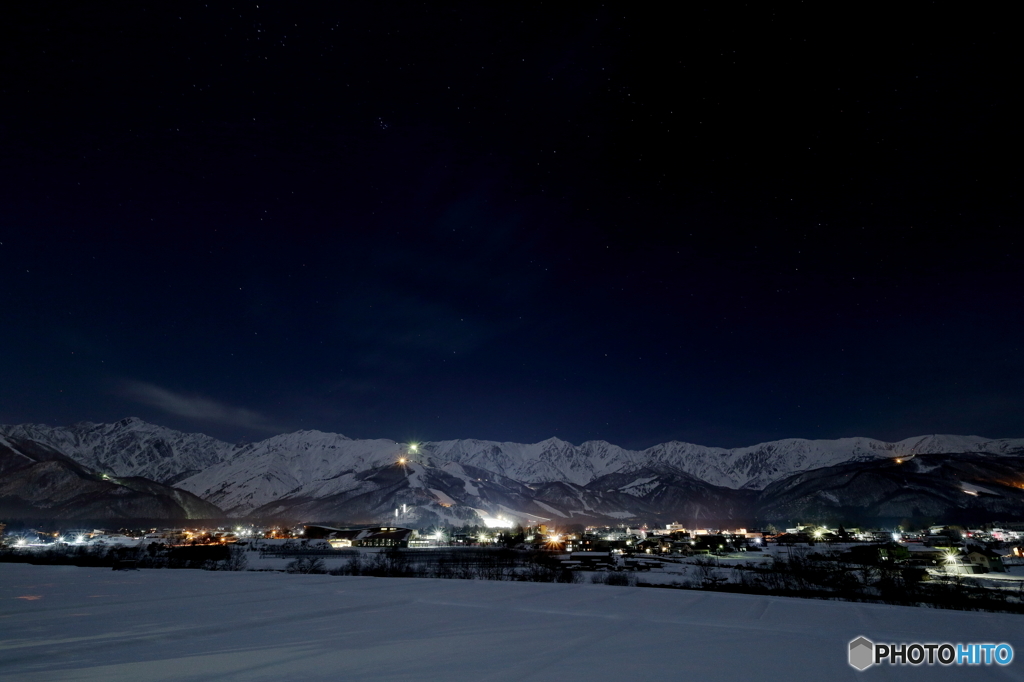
x=65, y=623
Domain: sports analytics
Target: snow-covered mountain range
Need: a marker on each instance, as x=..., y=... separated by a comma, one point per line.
x=130, y=447
x=328, y=475
x=39, y=481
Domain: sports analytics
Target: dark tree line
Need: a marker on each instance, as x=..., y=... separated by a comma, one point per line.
x=813, y=575
x=154, y=555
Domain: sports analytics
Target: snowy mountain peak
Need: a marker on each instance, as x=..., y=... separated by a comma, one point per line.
x=316, y=464
x=129, y=447
x=554, y=442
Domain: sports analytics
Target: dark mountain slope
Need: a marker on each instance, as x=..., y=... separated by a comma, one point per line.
x=964, y=487
x=38, y=481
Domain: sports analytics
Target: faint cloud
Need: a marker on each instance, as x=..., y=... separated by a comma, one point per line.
x=195, y=406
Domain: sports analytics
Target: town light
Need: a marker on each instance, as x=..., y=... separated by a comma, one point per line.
x=401, y=460
x=414, y=447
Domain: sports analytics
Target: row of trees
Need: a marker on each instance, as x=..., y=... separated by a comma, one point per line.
x=483, y=564
x=808, y=574
x=155, y=555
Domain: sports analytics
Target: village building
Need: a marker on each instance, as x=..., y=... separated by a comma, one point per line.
x=374, y=536
x=989, y=560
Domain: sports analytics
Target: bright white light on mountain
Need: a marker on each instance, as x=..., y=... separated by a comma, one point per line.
x=496, y=523
x=413, y=447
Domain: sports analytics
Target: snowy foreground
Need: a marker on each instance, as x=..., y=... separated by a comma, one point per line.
x=67, y=623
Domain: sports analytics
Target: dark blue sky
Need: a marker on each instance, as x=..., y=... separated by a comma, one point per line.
x=722, y=226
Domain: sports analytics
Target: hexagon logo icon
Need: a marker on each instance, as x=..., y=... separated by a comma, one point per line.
x=862, y=653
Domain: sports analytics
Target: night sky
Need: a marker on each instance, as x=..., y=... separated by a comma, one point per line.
x=417, y=221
